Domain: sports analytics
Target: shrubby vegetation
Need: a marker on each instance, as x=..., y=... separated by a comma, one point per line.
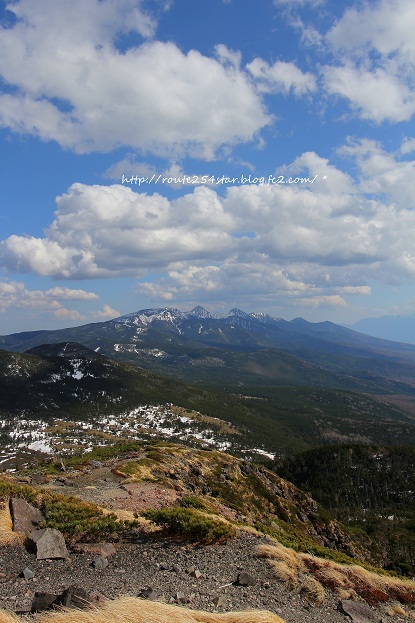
x=77, y=520
x=190, y=524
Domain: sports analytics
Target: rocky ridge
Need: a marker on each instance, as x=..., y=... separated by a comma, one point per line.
x=228, y=575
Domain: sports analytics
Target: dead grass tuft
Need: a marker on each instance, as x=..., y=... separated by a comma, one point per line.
x=285, y=562
x=134, y=610
x=7, y=536
x=396, y=609
x=313, y=591
x=372, y=587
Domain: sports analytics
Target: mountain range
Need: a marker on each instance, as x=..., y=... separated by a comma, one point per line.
x=394, y=327
x=240, y=350
x=279, y=386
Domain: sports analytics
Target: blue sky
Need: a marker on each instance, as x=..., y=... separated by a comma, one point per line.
x=274, y=141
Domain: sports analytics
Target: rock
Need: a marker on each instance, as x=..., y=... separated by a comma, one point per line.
x=43, y=601
x=196, y=574
x=27, y=573
x=220, y=602
x=151, y=594
x=357, y=611
x=39, y=479
x=25, y=516
x=181, y=598
x=48, y=543
x=100, y=549
x=75, y=597
x=100, y=562
x=94, y=463
x=72, y=597
x=244, y=579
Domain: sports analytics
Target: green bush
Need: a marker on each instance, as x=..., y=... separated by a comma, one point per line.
x=76, y=520
x=10, y=489
x=79, y=520
x=190, y=524
x=193, y=501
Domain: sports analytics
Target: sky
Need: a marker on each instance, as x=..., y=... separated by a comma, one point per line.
x=228, y=153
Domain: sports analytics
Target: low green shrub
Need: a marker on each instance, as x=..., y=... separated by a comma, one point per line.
x=190, y=524
x=193, y=501
x=77, y=520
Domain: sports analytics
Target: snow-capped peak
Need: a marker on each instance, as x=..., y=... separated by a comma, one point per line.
x=200, y=312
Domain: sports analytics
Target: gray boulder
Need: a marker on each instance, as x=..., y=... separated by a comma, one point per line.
x=25, y=516
x=48, y=543
x=358, y=612
x=72, y=597
x=100, y=562
x=244, y=579
x=100, y=549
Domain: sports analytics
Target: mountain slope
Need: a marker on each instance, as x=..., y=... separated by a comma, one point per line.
x=237, y=349
x=397, y=327
x=368, y=487
x=46, y=396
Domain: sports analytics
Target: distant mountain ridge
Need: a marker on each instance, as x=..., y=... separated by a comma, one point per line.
x=392, y=327
x=240, y=349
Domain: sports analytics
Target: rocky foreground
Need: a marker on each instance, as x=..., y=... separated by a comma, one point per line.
x=41, y=570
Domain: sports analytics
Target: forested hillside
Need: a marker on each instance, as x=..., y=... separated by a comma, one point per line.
x=367, y=487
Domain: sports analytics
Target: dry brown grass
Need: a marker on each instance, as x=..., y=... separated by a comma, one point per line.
x=7, y=536
x=396, y=609
x=313, y=591
x=285, y=562
x=134, y=610
x=372, y=587
x=347, y=581
x=220, y=425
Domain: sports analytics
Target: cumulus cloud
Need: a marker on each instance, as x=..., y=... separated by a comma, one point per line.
x=14, y=295
x=281, y=77
x=376, y=49
x=383, y=173
x=328, y=238
x=378, y=94
x=408, y=146
x=103, y=231
x=106, y=313
x=70, y=83
x=266, y=283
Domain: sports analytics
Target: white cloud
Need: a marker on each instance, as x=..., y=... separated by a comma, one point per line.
x=66, y=294
x=326, y=239
x=104, y=231
x=386, y=26
x=106, y=313
x=14, y=295
x=281, y=77
x=384, y=174
x=375, y=48
x=408, y=146
x=227, y=56
x=71, y=84
x=379, y=94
